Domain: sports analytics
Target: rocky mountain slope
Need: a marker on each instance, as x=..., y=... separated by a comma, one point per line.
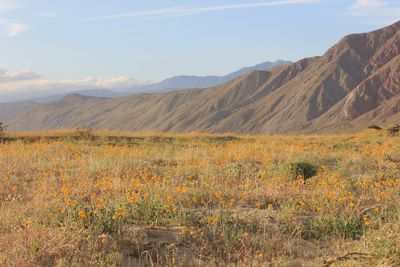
x=8, y=110
x=355, y=83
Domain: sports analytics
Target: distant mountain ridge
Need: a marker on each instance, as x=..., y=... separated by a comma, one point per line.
x=90, y=92
x=170, y=84
x=354, y=84
x=191, y=81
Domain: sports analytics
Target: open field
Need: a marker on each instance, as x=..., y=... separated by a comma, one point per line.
x=124, y=199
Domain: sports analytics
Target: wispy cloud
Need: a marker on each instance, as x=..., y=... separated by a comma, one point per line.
x=367, y=4
x=7, y=5
x=46, y=14
x=8, y=27
x=363, y=7
x=381, y=11
x=12, y=29
x=182, y=11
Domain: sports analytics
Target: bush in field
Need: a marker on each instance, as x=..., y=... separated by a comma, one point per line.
x=303, y=169
x=3, y=129
x=394, y=130
x=375, y=127
x=86, y=133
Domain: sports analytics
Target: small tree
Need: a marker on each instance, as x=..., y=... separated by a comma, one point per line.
x=303, y=169
x=3, y=129
x=394, y=130
x=86, y=133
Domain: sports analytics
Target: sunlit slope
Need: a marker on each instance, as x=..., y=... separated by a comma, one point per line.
x=355, y=82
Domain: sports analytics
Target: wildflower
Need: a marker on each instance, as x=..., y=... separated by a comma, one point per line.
x=181, y=189
x=29, y=222
x=69, y=201
x=82, y=214
x=212, y=219
x=366, y=221
x=183, y=231
x=65, y=190
x=121, y=212
x=132, y=198
x=100, y=202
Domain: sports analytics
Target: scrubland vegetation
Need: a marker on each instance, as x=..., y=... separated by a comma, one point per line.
x=104, y=199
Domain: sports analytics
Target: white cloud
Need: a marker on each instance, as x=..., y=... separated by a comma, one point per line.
x=7, y=5
x=12, y=29
x=365, y=7
x=17, y=76
x=8, y=27
x=16, y=85
x=368, y=4
x=116, y=84
x=179, y=11
x=375, y=10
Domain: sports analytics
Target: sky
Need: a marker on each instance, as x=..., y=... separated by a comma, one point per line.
x=116, y=44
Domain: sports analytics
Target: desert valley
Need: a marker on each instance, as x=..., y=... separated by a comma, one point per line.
x=278, y=164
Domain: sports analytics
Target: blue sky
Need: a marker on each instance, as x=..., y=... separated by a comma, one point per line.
x=120, y=40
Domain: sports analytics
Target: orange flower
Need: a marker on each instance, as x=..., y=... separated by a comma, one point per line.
x=82, y=214
x=183, y=231
x=366, y=221
x=212, y=219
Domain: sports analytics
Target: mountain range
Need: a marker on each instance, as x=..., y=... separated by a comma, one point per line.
x=170, y=84
x=353, y=84
x=187, y=81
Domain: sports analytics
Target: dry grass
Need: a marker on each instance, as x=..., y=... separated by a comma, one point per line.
x=68, y=199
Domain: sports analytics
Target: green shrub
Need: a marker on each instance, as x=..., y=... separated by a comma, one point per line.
x=150, y=211
x=336, y=226
x=302, y=169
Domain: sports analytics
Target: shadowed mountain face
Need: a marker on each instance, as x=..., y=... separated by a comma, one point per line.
x=8, y=110
x=354, y=84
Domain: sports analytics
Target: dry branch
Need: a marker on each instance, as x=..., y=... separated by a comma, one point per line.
x=348, y=256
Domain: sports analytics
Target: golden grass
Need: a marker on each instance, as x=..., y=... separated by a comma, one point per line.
x=198, y=199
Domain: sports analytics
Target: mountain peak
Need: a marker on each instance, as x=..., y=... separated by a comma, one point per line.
x=192, y=81
x=74, y=97
x=396, y=24
x=353, y=85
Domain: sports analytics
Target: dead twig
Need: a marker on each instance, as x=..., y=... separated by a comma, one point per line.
x=364, y=211
x=348, y=256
